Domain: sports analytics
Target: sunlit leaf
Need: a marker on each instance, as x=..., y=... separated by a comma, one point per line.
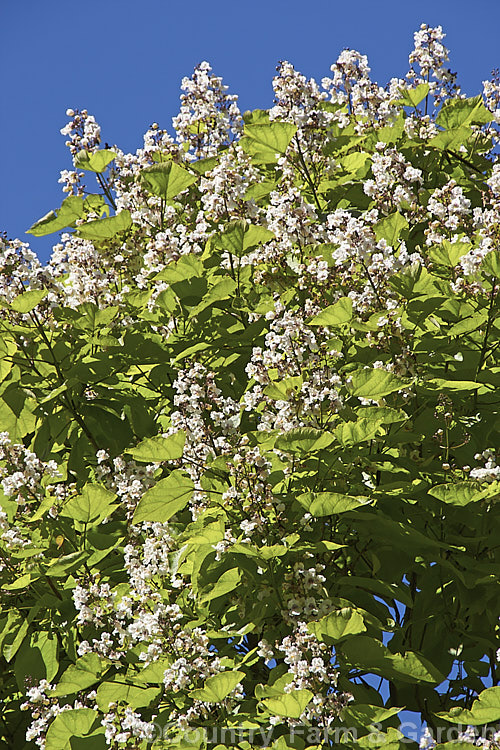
x=167, y=179
x=71, y=210
x=105, y=229
x=94, y=162
x=166, y=498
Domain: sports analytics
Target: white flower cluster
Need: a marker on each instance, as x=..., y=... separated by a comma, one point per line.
x=430, y=55
x=123, y=724
x=291, y=349
x=223, y=187
x=18, y=266
x=491, y=470
x=81, y=273
x=395, y=181
x=11, y=536
x=471, y=735
x=305, y=594
x=22, y=475
x=297, y=99
x=44, y=708
x=493, y=181
x=310, y=668
x=491, y=94
x=450, y=206
x=291, y=218
x=125, y=478
x=352, y=87
x=363, y=264
x=83, y=131
x=208, y=116
x=198, y=406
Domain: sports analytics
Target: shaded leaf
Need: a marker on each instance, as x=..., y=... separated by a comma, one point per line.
x=373, y=656
x=73, y=723
x=227, y=582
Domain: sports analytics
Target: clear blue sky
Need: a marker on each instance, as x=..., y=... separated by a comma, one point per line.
x=123, y=60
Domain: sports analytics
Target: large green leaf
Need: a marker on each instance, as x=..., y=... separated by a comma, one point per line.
x=73, y=723
x=71, y=210
x=61, y=567
x=239, y=236
x=352, y=433
x=390, y=227
x=366, y=715
x=223, y=289
x=17, y=415
x=83, y=674
x=105, y=229
x=451, y=139
x=218, y=687
x=291, y=705
x=485, y=710
x=458, y=493
x=304, y=440
x=93, y=505
x=167, y=179
x=158, y=448
x=375, y=383
x=165, y=499
x=491, y=263
x=37, y=657
x=463, y=112
x=330, y=503
x=413, y=97
x=335, y=315
x=94, y=162
x=265, y=142
x=228, y=581
x=337, y=625
x=121, y=692
x=25, y=302
x=13, y=634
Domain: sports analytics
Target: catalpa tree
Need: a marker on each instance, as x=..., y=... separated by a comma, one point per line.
x=248, y=416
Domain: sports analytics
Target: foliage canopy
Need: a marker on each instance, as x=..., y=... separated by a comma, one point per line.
x=249, y=412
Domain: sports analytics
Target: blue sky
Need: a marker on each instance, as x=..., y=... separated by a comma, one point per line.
x=123, y=61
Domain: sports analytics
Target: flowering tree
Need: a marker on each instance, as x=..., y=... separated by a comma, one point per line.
x=248, y=416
